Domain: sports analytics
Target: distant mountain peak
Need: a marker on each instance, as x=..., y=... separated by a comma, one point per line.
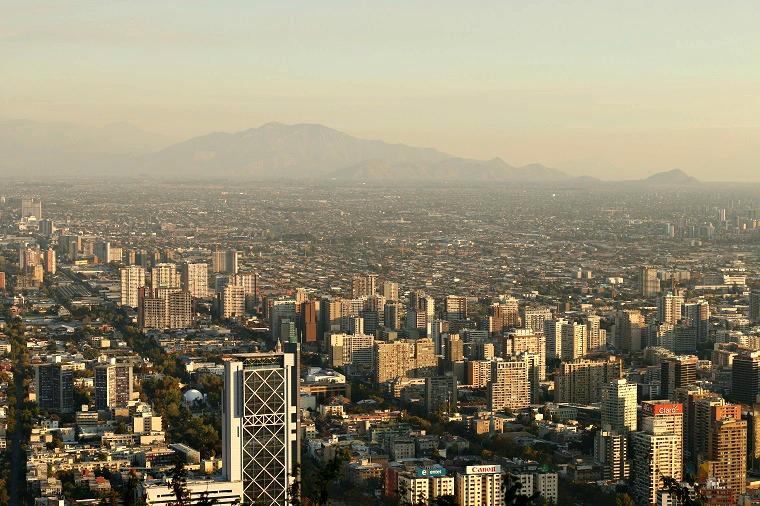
x=673, y=176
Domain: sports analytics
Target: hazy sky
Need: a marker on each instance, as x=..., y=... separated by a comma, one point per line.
x=607, y=88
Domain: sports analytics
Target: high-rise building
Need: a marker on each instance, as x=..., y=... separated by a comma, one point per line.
x=504, y=316
x=726, y=455
x=31, y=208
x=390, y=290
x=165, y=309
x=553, y=335
x=412, y=358
x=309, y=321
x=688, y=397
x=581, y=381
x=611, y=452
x=619, y=406
x=479, y=486
x=45, y=227
x=670, y=308
x=657, y=449
x=224, y=261
x=392, y=315
x=54, y=385
x=697, y=315
x=51, y=265
x=232, y=301
x=510, y=385
x=113, y=385
x=596, y=337
x=754, y=306
x=353, y=351
x=102, y=251
x=363, y=286
x=534, y=318
x=440, y=394
x=195, y=279
x=132, y=279
x=649, y=282
x=524, y=340
x=69, y=247
x=745, y=377
x=677, y=372
x=629, y=326
x=260, y=429
x=455, y=308
x=574, y=339
x=164, y=276
x=2, y=281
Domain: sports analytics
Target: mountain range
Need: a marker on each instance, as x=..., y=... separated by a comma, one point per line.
x=271, y=151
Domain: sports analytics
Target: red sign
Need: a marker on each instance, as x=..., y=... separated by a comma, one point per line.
x=661, y=409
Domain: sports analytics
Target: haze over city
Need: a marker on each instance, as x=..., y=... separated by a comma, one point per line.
x=599, y=89
x=382, y=253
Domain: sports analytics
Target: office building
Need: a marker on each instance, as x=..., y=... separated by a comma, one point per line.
x=132, y=279
x=195, y=279
x=260, y=429
x=423, y=484
x=54, y=386
x=113, y=385
x=455, y=308
x=160, y=493
x=510, y=385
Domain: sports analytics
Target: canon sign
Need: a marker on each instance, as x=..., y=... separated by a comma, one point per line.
x=494, y=469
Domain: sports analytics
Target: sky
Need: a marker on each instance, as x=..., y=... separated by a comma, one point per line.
x=613, y=89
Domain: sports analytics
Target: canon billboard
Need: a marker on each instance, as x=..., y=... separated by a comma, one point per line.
x=491, y=469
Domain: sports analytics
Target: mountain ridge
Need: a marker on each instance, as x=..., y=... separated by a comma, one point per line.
x=271, y=151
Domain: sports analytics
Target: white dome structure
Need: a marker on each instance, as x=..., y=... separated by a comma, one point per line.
x=191, y=396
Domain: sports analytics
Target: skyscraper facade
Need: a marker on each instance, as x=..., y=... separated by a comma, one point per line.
x=260, y=432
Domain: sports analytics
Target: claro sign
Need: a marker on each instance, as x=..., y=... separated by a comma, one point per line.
x=482, y=469
x=652, y=409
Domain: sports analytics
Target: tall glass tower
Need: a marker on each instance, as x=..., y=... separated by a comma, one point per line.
x=260, y=433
